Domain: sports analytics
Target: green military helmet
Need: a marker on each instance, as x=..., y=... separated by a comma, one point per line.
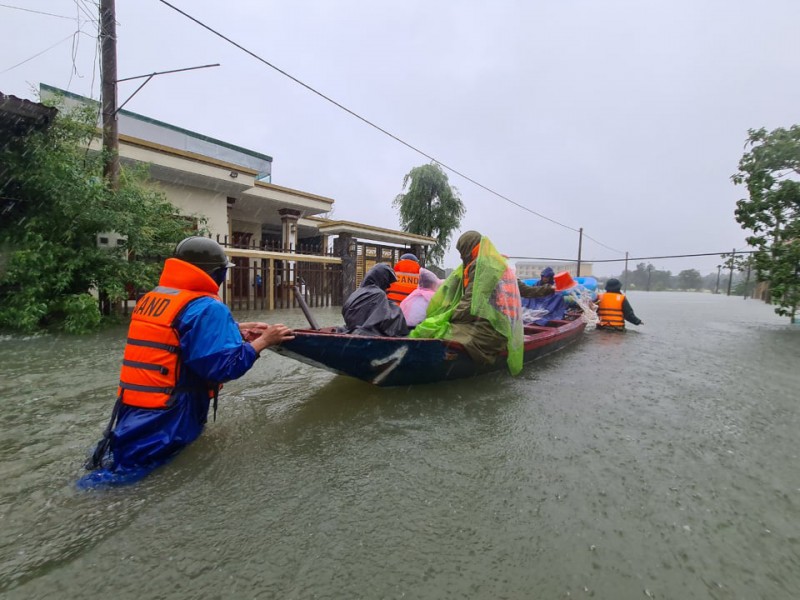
x=202, y=252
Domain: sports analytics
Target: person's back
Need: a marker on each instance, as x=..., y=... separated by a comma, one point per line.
x=415, y=305
x=367, y=311
x=182, y=344
x=407, y=278
x=614, y=309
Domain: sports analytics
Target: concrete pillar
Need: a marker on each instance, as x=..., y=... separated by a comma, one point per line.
x=289, y=219
x=344, y=247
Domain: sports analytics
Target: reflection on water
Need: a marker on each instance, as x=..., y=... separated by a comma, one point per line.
x=659, y=462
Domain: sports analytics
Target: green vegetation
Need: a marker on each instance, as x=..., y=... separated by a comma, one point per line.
x=769, y=170
x=689, y=279
x=430, y=207
x=54, y=205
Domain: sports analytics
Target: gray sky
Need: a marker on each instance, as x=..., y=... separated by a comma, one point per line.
x=626, y=118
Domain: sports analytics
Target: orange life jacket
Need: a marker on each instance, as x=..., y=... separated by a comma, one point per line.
x=473, y=256
x=610, y=310
x=506, y=296
x=407, y=272
x=506, y=292
x=151, y=362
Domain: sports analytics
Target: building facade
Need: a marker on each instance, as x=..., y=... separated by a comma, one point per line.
x=278, y=237
x=527, y=269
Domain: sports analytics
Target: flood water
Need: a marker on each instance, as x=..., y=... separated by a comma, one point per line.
x=658, y=463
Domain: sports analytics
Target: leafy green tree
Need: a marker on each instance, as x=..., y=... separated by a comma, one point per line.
x=430, y=207
x=55, y=203
x=690, y=279
x=769, y=170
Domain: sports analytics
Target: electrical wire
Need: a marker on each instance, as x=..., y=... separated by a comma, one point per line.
x=633, y=258
x=367, y=121
x=70, y=36
x=411, y=146
x=588, y=237
x=38, y=12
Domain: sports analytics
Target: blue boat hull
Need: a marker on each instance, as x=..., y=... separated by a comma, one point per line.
x=388, y=361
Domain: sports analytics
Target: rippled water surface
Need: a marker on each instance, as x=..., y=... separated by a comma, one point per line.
x=659, y=463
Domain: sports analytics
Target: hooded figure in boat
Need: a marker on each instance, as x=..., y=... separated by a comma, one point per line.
x=368, y=311
x=478, y=306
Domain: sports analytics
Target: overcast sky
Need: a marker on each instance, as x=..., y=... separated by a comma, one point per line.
x=626, y=118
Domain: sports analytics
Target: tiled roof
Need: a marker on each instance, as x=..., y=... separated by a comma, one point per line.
x=17, y=114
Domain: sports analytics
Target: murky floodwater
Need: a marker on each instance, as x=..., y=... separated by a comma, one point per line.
x=661, y=463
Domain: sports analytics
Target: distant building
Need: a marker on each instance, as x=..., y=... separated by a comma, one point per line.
x=527, y=269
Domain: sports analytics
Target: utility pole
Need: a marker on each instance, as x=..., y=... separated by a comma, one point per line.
x=716, y=289
x=747, y=279
x=580, y=244
x=625, y=284
x=649, y=268
x=108, y=75
x=730, y=273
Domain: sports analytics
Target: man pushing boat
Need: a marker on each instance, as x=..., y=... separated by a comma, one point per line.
x=182, y=345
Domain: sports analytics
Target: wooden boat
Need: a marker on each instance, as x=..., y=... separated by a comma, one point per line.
x=388, y=361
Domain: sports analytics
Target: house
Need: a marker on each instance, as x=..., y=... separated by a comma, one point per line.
x=277, y=236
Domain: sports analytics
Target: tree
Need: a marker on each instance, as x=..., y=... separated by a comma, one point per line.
x=690, y=279
x=55, y=205
x=772, y=211
x=430, y=207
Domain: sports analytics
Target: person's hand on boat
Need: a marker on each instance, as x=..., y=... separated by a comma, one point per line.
x=271, y=335
x=251, y=330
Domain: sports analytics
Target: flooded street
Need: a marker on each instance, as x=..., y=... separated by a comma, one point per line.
x=660, y=463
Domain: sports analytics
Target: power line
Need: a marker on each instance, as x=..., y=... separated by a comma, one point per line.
x=371, y=124
x=630, y=258
x=38, y=12
x=81, y=6
x=588, y=237
x=633, y=258
x=71, y=35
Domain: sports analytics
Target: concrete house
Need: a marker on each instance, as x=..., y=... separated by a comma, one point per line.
x=277, y=236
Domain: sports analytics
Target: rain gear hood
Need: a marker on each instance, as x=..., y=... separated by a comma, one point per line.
x=381, y=275
x=415, y=306
x=428, y=280
x=368, y=311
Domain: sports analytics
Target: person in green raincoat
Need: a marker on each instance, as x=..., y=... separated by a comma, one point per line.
x=478, y=305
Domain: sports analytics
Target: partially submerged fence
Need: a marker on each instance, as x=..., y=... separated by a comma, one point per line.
x=269, y=283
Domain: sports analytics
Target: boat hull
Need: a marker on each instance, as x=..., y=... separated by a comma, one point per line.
x=388, y=361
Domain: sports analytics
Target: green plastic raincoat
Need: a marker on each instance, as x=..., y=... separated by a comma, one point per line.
x=480, y=311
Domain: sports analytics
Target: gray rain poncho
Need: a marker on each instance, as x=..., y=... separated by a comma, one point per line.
x=368, y=311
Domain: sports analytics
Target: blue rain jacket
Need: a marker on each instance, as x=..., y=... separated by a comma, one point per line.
x=212, y=350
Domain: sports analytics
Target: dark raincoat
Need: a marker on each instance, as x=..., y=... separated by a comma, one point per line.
x=546, y=277
x=615, y=287
x=368, y=311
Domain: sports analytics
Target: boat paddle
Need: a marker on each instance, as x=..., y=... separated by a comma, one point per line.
x=304, y=307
